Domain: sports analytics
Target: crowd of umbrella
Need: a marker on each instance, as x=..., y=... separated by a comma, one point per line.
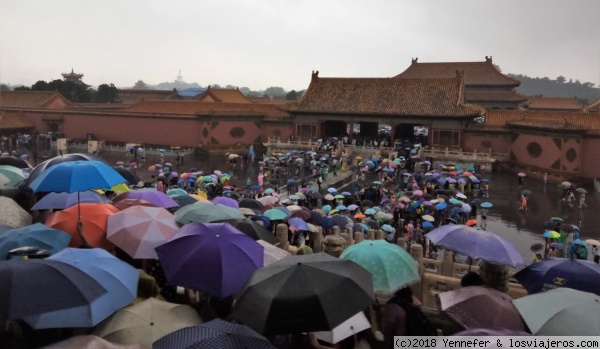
x=215, y=248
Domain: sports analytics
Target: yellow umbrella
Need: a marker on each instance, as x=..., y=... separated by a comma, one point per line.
x=118, y=189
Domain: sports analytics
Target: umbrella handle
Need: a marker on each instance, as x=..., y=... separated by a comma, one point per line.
x=80, y=227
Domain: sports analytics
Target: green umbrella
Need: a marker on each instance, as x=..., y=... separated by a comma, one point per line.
x=275, y=214
x=391, y=266
x=561, y=312
x=339, y=196
x=206, y=212
x=176, y=192
x=10, y=175
x=558, y=219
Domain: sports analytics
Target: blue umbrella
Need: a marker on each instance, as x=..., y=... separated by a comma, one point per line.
x=287, y=212
x=327, y=223
x=326, y=208
x=364, y=226
x=77, y=176
x=346, y=193
x=370, y=211
x=64, y=200
x=477, y=244
x=332, y=190
x=298, y=223
x=255, y=187
x=388, y=228
x=64, y=286
x=37, y=235
x=579, y=242
x=352, y=207
x=441, y=206
x=486, y=205
x=560, y=272
x=557, y=245
x=117, y=277
x=341, y=207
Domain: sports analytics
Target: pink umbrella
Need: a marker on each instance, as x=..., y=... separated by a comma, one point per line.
x=418, y=192
x=268, y=200
x=156, y=197
x=138, y=230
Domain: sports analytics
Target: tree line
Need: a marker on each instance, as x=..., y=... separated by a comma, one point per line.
x=586, y=92
x=74, y=92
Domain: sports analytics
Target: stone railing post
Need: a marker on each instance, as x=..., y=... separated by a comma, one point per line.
x=401, y=242
x=359, y=237
x=447, y=263
x=282, y=236
x=371, y=234
x=350, y=233
x=446, y=153
x=381, y=234
x=336, y=230
x=318, y=241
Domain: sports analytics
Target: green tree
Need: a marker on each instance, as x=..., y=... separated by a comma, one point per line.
x=292, y=95
x=4, y=87
x=275, y=91
x=22, y=88
x=106, y=94
x=40, y=86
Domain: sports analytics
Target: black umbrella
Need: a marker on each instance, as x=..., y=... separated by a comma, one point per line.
x=314, y=194
x=184, y=200
x=550, y=225
x=373, y=224
x=302, y=294
x=316, y=218
x=274, y=181
x=368, y=203
x=14, y=161
x=526, y=192
x=536, y=247
x=340, y=220
x=57, y=160
x=214, y=334
x=131, y=177
x=251, y=203
x=252, y=229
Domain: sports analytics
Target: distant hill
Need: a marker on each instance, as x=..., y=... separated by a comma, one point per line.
x=585, y=92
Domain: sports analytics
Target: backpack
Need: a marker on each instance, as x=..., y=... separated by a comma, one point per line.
x=417, y=323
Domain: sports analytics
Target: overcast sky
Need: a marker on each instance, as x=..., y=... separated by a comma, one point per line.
x=258, y=43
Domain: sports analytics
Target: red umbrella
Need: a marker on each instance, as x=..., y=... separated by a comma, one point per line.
x=94, y=218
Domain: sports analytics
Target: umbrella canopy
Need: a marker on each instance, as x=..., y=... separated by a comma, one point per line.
x=138, y=230
x=551, y=234
x=391, y=266
x=252, y=229
x=301, y=294
x=176, y=192
x=593, y=242
x=275, y=214
x=477, y=244
x=156, y=197
x=213, y=258
x=89, y=341
x=214, y=334
x=206, y=212
x=117, y=277
x=561, y=312
x=93, y=217
x=64, y=200
x=486, y=205
x=14, y=161
x=428, y=218
x=251, y=203
x=129, y=176
x=75, y=176
x=12, y=214
x=268, y=200
x=272, y=253
x=352, y=326
x=226, y=202
x=37, y=235
x=64, y=287
x=560, y=272
x=10, y=175
x=471, y=307
x=298, y=223
x=146, y=322
x=40, y=168
x=127, y=203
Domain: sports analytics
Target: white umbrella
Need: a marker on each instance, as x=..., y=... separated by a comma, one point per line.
x=12, y=214
x=272, y=253
x=146, y=322
x=346, y=329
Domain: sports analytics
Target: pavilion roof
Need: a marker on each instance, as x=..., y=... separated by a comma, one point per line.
x=476, y=73
x=30, y=99
x=223, y=95
x=560, y=103
x=385, y=96
x=134, y=96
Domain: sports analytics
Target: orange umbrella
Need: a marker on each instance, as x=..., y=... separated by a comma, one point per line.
x=93, y=216
x=471, y=223
x=126, y=203
x=359, y=215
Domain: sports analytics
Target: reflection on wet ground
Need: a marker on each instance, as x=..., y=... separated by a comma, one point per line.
x=505, y=219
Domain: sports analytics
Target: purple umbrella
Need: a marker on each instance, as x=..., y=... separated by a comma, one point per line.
x=451, y=180
x=214, y=258
x=226, y=201
x=64, y=200
x=158, y=198
x=477, y=244
x=298, y=223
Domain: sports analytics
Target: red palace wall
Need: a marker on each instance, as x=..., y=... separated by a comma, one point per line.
x=548, y=152
x=281, y=131
x=590, y=158
x=499, y=143
x=225, y=133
